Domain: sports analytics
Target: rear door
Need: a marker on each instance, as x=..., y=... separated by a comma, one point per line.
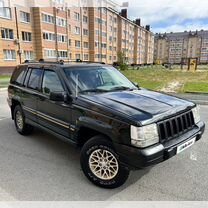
x=30, y=92
x=55, y=116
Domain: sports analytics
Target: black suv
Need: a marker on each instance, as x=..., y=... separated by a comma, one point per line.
x=118, y=125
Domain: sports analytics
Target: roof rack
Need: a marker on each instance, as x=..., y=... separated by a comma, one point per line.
x=43, y=61
x=80, y=61
x=62, y=61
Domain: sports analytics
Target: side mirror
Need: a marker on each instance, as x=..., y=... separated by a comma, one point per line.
x=58, y=96
x=136, y=84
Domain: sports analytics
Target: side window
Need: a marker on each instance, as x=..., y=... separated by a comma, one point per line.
x=27, y=77
x=35, y=79
x=51, y=83
x=18, y=75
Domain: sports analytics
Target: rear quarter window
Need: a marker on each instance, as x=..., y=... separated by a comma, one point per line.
x=34, y=80
x=18, y=75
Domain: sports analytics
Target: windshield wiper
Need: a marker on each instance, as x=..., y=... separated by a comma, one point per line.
x=93, y=90
x=121, y=88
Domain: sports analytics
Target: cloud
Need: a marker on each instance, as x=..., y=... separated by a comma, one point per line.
x=171, y=15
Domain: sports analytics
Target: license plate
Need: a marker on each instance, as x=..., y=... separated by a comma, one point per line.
x=185, y=145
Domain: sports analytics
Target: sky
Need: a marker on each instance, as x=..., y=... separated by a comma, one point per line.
x=170, y=15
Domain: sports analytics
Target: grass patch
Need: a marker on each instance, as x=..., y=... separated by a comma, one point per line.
x=4, y=80
x=157, y=78
x=153, y=85
x=196, y=87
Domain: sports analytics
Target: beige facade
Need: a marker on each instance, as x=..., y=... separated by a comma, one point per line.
x=174, y=48
x=86, y=33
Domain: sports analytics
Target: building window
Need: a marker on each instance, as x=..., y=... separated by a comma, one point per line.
x=85, y=32
x=48, y=18
x=48, y=36
x=97, y=56
x=103, y=45
x=49, y=53
x=104, y=10
x=69, y=42
x=63, y=54
x=5, y=12
x=77, y=30
x=28, y=55
x=86, y=57
x=77, y=56
x=62, y=38
x=24, y=16
x=86, y=45
x=61, y=22
x=7, y=33
x=9, y=55
x=77, y=43
x=26, y=36
x=85, y=19
x=76, y=16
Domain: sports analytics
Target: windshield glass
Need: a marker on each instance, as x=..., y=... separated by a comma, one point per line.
x=97, y=79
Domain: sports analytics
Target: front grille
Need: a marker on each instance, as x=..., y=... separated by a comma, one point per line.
x=175, y=126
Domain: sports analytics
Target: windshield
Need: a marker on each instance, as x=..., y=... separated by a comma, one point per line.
x=97, y=79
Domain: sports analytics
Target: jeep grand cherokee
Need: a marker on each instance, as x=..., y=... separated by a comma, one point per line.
x=117, y=125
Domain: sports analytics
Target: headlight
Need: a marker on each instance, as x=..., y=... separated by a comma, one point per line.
x=144, y=136
x=196, y=114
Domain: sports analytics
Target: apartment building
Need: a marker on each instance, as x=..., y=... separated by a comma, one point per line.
x=176, y=48
x=71, y=33
x=103, y=35
x=17, y=35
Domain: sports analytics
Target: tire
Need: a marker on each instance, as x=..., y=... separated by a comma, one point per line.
x=107, y=174
x=19, y=120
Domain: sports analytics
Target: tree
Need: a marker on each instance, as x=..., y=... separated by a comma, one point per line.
x=122, y=61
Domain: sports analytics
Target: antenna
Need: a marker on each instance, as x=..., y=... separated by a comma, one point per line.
x=77, y=85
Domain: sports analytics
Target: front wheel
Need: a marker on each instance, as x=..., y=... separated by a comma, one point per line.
x=101, y=165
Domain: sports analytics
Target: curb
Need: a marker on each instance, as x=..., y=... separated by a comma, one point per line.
x=198, y=98
x=198, y=93
x=200, y=102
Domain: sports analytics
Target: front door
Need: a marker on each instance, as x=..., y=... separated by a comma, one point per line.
x=56, y=116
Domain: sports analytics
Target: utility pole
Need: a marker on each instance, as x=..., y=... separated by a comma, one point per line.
x=18, y=37
x=56, y=32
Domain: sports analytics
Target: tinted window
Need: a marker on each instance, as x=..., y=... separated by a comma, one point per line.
x=18, y=75
x=27, y=77
x=34, y=79
x=51, y=82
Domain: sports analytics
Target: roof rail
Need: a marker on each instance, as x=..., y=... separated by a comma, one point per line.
x=62, y=61
x=80, y=61
x=42, y=61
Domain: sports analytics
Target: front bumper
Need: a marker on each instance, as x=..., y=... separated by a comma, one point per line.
x=136, y=158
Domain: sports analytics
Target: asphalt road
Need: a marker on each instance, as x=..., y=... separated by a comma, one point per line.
x=41, y=167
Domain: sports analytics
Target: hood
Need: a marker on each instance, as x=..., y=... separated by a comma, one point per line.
x=143, y=106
